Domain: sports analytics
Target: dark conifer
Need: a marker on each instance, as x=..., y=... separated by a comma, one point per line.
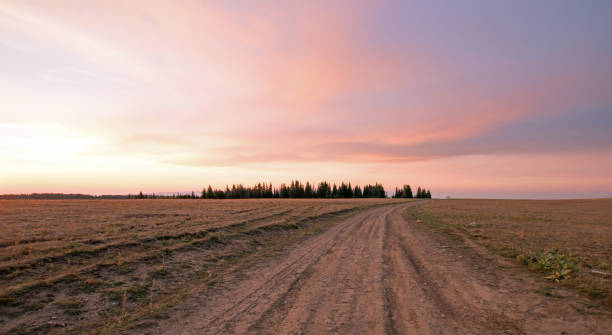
x=284, y=191
x=209, y=193
x=308, y=193
x=407, y=192
x=357, y=192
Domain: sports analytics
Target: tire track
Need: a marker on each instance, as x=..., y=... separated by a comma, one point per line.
x=328, y=303
x=239, y=306
x=281, y=307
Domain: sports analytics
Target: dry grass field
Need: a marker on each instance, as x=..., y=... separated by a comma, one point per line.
x=123, y=266
x=93, y=265
x=568, y=242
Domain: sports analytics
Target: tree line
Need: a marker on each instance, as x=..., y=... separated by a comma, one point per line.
x=295, y=189
x=406, y=192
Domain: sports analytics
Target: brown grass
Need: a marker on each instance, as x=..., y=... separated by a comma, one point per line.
x=74, y=265
x=568, y=241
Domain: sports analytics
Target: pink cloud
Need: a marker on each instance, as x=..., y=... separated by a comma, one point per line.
x=197, y=84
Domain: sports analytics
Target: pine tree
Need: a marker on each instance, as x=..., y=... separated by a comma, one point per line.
x=407, y=192
x=308, y=193
x=323, y=190
x=284, y=191
x=366, y=191
x=341, y=193
x=380, y=191
x=357, y=192
x=219, y=194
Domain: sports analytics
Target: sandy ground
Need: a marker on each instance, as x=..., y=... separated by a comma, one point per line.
x=380, y=273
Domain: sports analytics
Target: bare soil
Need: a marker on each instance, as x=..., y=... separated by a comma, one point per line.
x=383, y=272
x=98, y=266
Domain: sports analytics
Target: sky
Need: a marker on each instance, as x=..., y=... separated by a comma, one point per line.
x=493, y=99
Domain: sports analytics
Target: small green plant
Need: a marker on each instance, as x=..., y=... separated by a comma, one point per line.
x=556, y=264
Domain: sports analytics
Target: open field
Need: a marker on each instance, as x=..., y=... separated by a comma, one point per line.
x=72, y=264
x=305, y=266
x=568, y=241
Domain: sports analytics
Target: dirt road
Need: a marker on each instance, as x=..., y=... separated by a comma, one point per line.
x=379, y=273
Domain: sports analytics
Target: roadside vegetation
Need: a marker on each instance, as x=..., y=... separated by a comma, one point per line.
x=568, y=242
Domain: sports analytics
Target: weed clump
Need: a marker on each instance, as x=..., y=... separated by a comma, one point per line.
x=555, y=264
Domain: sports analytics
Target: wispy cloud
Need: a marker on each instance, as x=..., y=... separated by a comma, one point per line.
x=201, y=86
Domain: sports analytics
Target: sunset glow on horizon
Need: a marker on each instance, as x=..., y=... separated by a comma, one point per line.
x=471, y=99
